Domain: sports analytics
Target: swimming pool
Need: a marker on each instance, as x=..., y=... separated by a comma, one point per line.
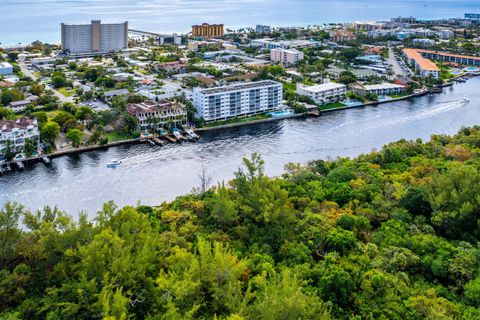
x=281, y=113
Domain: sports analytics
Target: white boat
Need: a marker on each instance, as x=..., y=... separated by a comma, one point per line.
x=465, y=100
x=114, y=163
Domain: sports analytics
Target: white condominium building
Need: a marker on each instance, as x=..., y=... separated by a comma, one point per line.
x=323, y=93
x=238, y=100
x=96, y=37
x=286, y=56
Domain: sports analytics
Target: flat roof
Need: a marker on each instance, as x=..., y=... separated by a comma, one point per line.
x=5, y=65
x=324, y=87
x=242, y=86
x=383, y=86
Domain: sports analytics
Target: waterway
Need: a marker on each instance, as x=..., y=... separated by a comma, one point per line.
x=150, y=175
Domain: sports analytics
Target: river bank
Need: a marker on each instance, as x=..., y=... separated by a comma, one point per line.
x=72, y=151
x=153, y=174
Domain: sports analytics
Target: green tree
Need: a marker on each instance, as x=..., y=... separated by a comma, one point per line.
x=75, y=136
x=50, y=131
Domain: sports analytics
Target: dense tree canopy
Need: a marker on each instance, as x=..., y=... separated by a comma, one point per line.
x=392, y=234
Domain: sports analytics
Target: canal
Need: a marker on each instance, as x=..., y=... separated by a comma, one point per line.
x=150, y=175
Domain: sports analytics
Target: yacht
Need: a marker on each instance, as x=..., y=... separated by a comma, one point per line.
x=114, y=163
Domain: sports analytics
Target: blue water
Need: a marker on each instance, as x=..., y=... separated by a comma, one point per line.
x=23, y=21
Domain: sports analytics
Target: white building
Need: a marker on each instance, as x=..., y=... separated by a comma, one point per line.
x=238, y=100
x=5, y=68
x=382, y=89
x=16, y=132
x=94, y=38
x=284, y=44
x=286, y=56
x=323, y=93
x=424, y=42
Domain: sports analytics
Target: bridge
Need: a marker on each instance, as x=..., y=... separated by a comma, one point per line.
x=175, y=39
x=144, y=33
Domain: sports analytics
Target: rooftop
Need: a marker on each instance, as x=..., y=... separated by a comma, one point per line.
x=242, y=86
x=384, y=85
x=424, y=64
x=12, y=125
x=5, y=65
x=152, y=106
x=324, y=87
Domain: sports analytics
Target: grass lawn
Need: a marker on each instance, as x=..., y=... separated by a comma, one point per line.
x=66, y=92
x=290, y=86
x=118, y=136
x=333, y=105
x=400, y=95
x=237, y=120
x=144, y=72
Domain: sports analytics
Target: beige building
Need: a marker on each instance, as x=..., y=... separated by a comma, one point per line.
x=206, y=30
x=286, y=56
x=158, y=113
x=204, y=45
x=95, y=37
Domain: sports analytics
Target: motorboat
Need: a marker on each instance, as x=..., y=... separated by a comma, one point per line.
x=114, y=163
x=465, y=100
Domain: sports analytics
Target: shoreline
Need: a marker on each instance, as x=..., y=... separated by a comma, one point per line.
x=85, y=149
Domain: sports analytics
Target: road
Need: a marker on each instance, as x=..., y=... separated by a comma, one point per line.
x=397, y=67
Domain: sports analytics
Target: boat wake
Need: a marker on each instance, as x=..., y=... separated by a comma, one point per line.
x=404, y=117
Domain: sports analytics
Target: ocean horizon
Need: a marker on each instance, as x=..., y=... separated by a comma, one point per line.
x=24, y=21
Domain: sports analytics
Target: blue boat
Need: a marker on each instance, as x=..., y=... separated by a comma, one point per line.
x=114, y=164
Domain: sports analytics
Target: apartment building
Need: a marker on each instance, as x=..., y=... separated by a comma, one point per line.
x=271, y=44
x=286, y=56
x=5, y=69
x=204, y=45
x=323, y=93
x=425, y=67
x=368, y=25
x=340, y=36
x=157, y=114
x=206, y=30
x=15, y=132
x=94, y=38
x=382, y=89
x=262, y=29
x=450, y=57
x=238, y=100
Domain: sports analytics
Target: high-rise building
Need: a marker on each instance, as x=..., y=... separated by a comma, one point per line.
x=238, y=100
x=206, y=30
x=96, y=37
x=263, y=29
x=472, y=16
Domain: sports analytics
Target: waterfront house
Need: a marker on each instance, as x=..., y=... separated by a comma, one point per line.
x=17, y=131
x=156, y=114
